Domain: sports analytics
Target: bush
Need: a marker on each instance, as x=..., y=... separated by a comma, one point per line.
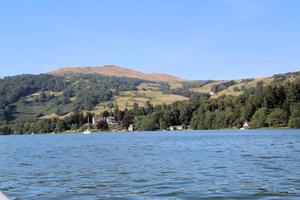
x=74, y=127
x=277, y=118
x=146, y=123
x=5, y=130
x=259, y=118
x=60, y=126
x=294, y=120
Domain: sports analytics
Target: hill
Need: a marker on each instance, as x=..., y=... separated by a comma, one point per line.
x=24, y=99
x=113, y=70
x=176, y=85
x=237, y=87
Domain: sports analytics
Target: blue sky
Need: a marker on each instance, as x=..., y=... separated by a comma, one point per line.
x=193, y=39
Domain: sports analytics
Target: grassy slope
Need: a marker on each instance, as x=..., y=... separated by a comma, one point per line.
x=230, y=90
x=205, y=88
x=239, y=84
x=30, y=111
x=146, y=92
x=26, y=112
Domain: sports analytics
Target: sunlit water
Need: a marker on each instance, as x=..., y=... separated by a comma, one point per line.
x=159, y=165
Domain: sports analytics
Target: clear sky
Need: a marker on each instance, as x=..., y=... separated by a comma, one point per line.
x=194, y=39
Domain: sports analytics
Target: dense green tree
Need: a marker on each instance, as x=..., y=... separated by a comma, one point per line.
x=27, y=127
x=294, y=120
x=277, y=118
x=259, y=118
x=5, y=130
x=74, y=127
x=186, y=113
x=43, y=126
x=127, y=119
x=163, y=125
x=292, y=90
x=269, y=97
x=60, y=126
x=118, y=114
x=203, y=120
x=136, y=110
x=146, y=123
x=148, y=108
x=105, y=114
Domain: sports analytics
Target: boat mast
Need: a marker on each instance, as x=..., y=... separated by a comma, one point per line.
x=88, y=125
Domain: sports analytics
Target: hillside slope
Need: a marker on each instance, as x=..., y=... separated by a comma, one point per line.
x=113, y=70
x=32, y=97
x=240, y=86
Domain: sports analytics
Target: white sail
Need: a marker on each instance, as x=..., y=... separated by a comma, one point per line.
x=87, y=131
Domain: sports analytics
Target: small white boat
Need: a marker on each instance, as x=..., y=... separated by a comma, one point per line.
x=242, y=129
x=3, y=197
x=87, y=131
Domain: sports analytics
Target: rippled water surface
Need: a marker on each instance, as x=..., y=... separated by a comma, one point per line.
x=262, y=164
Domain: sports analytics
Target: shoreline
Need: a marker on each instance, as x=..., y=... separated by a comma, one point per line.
x=155, y=131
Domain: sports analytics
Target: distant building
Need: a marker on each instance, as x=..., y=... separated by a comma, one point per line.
x=110, y=120
x=178, y=127
x=171, y=128
x=174, y=128
x=95, y=120
x=131, y=128
x=246, y=125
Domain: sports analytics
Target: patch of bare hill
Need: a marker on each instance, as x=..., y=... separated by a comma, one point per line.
x=112, y=70
x=235, y=88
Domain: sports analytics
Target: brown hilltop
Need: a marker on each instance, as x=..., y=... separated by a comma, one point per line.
x=112, y=70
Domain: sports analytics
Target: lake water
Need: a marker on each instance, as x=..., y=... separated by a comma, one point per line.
x=255, y=164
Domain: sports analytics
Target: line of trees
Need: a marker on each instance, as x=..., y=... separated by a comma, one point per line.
x=263, y=106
